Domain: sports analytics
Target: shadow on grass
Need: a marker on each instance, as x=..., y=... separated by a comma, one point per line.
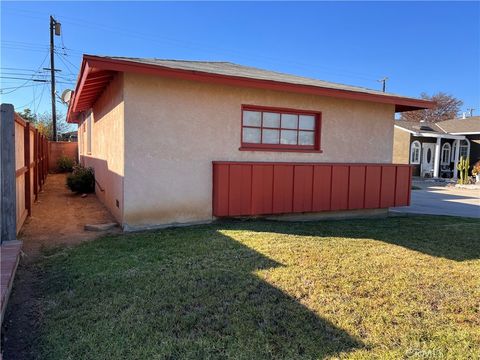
x=183, y=293
x=452, y=238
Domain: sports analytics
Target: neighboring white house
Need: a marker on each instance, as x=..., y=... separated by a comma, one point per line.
x=434, y=149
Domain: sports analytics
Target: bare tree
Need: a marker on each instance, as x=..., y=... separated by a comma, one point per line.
x=43, y=122
x=447, y=107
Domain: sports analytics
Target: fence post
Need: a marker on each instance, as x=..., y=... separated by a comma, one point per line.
x=8, y=210
x=28, y=195
x=35, y=165
x=45, y=162
x=40, y=163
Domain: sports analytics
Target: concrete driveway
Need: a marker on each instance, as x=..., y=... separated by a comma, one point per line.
x=440, y=199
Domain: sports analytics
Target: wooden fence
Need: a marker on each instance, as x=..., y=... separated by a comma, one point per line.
x=25, y=164
x=31, y=167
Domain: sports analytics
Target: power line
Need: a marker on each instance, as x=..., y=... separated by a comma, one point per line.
x=26, y=86
x=35, y=46
x=65, y=62
x=16, y=69
x=40, y=100
x=21, y=78
x=26, y=105
x=192, y=45
x=27, y=81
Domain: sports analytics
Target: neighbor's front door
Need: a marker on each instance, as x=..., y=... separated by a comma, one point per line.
x=428, y=154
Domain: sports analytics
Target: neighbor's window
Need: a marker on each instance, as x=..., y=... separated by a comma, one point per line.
x=279, y=129
x=446, y=149
x=415, y=152
x=464, y=148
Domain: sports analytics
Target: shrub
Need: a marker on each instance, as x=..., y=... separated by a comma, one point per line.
x=81, y=180
x=65, y=164
x=476, y=168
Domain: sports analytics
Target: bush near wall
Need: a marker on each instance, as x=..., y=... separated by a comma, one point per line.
x=81, y=180
x=65, y=164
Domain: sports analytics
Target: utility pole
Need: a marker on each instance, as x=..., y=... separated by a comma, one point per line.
x=54, y=30
x=384, y=83
x=470, y=112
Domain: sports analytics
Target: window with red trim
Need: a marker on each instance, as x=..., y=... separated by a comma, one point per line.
x=280, y=129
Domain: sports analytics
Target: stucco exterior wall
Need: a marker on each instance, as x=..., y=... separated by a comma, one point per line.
x=107, y=146
x=401, y=146
x=174, y=129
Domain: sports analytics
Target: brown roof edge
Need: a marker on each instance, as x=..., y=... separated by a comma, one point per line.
x=120, y=65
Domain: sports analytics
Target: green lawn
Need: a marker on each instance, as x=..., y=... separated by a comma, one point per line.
x=403, y=287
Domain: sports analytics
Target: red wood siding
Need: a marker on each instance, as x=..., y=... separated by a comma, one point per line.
x=256, y=188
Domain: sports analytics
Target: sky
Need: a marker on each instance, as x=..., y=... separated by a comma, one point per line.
x=420, y=46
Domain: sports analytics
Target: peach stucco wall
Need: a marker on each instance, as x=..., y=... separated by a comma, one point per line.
x=401, y=146
x=107, y=147
x=174, y=129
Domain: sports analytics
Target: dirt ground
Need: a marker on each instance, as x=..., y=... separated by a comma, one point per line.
x=58, y=219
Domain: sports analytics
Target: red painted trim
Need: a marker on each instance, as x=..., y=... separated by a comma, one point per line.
x=84, y=72
x=20, y=120
x=257, y=188
x=251, y=148
x=281, y=147
x=279, y=109
x=306, y=163
x=91, y=61
x=410, y=185
x=395, y=187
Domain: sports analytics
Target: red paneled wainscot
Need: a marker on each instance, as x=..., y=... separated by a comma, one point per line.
x=258, y=188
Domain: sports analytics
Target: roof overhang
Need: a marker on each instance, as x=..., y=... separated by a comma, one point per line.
x=96, y=72
x=432, y=135
x=467, y=133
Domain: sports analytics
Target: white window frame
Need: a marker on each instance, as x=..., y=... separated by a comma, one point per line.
x=467, y=145
x=446, y=148
x=458, y=143
x=415, y=145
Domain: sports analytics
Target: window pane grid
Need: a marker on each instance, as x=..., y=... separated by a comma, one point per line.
x=295, y=130
x=275, y=128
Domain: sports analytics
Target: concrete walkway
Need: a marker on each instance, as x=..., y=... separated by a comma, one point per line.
x=440, y=199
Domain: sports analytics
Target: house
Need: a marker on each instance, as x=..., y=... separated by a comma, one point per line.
x=434, y=149
x=70, y=136
x=182, y=142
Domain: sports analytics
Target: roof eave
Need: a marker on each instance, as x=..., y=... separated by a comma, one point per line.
x=90, y=61
x=433, y=135
x=466, y=133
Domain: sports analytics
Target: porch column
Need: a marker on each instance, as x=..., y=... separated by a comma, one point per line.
x=436, y=161
x=456, y=149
